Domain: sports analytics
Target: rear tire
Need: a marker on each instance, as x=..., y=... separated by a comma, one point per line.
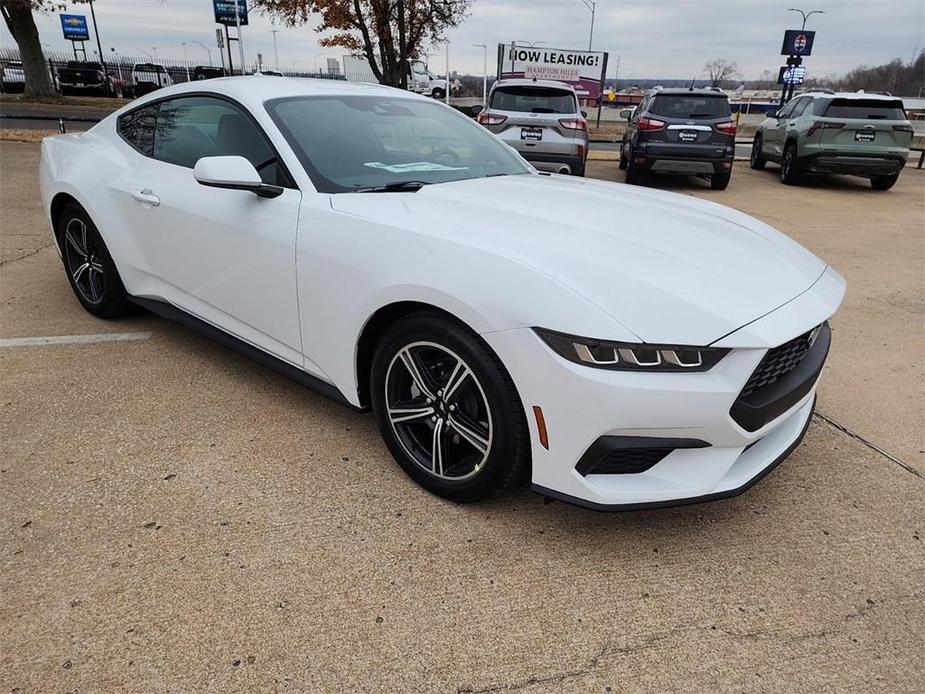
x=720, y=181
x=438, y=94
x=757, y=160
x=456, y=425
x=883, y=182
x=623, y=159
x=90, y=269
x=633, y=174
x=790, y=173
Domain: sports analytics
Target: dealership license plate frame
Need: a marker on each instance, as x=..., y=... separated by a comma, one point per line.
x=531, y=133
x=865, y=135
x=688, y=136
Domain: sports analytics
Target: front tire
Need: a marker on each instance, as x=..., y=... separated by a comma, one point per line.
x=623, y=159
x=90, y=269
x=438, y=94
x=447, y=408
x=883, y=182
x=757, y=160
x=633, y=174
x=790, y=173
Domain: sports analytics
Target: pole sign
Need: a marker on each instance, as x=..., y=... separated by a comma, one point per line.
x=75, y=27
x=224, y=12
x=792, y=74
x=582, y=70
x=797, y=42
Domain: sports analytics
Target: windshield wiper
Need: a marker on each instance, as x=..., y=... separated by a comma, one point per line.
x=394, y=187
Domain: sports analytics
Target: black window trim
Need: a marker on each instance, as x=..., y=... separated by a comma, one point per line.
x=290, y=181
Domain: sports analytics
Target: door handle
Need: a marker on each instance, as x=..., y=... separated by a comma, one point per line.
x=146, y=196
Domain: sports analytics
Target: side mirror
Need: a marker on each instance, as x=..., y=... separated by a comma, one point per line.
x=476, y=110
x=626, y=113
x=584, y=114
x=233, y=173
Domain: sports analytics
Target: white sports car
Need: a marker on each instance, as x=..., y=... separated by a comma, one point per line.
x=623, y=347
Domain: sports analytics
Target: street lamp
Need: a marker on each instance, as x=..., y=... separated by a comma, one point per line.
x=806, y=15
x=484, y=47
x=592, y=6
x=206, y=48
x=275, y=49
x=296, y=63
x=315, y=62
x=185, y=60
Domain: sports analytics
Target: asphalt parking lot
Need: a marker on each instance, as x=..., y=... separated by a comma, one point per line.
x=174, y=517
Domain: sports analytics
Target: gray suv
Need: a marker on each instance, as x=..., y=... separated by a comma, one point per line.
x=686, y=131
x=541, y=120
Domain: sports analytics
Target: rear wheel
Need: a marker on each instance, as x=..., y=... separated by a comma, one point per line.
x=623, y=159
x=447, y=408
x=439, y=94
x=91, y=271
x=883, y=182
x=720, y=181
x=757, y=160
x=790, y=166
x=633, y=172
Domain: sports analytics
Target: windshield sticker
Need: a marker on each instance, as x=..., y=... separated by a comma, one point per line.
x=413, y=166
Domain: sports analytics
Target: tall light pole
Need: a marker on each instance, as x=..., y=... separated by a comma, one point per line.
x=96, y=31
x=592, y=6
x=275, y=49
x=446, y=94
x=806, y=15
x=315, y=62
x=186, y=60
x=237, y=23
x=207, y=50
x=484, y=47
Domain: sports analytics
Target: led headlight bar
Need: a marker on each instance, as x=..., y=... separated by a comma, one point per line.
x=628, y=356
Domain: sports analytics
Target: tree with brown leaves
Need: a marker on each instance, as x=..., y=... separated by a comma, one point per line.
x=389, y=33
x=19, y=20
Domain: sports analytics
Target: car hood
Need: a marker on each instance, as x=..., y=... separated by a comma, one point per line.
x=670, y=268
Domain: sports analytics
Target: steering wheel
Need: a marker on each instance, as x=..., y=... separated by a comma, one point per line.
x=448, y=155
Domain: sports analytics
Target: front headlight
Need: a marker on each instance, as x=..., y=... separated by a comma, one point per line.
x=628, y=356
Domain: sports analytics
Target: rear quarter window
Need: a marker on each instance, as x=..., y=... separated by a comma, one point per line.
x=533, y=100
x=690, y=107
x=865, y=109
x=137, y=128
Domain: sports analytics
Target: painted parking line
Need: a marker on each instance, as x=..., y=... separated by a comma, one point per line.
x=72, y=339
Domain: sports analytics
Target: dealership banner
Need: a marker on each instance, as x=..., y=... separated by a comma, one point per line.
x=583, y=70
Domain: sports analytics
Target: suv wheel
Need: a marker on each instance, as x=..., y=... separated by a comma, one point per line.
x=790, y=165
x=623, y=159
x=633, y=174
x=883, y=182
x=447, y=408
x=757, y=160
x=720, y=181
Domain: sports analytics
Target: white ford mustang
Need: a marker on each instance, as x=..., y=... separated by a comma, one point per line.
x=624, y=347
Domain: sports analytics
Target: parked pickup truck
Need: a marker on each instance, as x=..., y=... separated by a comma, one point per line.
x=78, y=78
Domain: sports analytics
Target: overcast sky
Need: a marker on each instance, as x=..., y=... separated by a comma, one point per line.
x=655, y=38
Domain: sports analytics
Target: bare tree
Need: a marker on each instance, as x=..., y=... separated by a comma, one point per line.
x=389, y=33
x=19, y=20
x=721, y=70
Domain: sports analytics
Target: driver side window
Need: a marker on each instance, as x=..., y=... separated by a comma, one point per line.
x=189, y=128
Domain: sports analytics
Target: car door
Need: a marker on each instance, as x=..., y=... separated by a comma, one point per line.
x=224, y=256
x=776, y=133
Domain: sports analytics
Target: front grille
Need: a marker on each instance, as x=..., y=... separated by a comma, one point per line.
x=629, y=461
x=778, y=362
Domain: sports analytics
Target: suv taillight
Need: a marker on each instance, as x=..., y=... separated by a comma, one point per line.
x=727, y=128
x=903, y=129
x=651, y=124
x=486, y=118
x=824, y=125
x=573, y=123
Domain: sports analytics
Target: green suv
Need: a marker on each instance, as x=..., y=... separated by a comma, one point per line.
x=827, y=132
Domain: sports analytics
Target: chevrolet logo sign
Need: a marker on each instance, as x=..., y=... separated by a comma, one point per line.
x=74, y=22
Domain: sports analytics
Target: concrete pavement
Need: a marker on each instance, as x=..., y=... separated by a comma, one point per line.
x=177, y=518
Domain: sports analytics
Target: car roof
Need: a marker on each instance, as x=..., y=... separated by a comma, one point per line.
x=681, y=91
x=850, y=95
x=523, y=82
x=254, y=90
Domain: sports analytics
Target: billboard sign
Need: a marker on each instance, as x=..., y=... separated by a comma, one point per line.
x=224, y=12
x=75, y=27
x=797, y=42
x=791, y=74
x=582, y=70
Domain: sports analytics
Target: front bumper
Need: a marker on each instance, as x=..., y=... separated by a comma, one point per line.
x=719, y=457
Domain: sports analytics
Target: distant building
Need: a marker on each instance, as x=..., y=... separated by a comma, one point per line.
x=333, y=66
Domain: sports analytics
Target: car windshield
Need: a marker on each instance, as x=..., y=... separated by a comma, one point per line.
x=533, y=100
x=352, y=143
x=866, y=109
x=690, y=106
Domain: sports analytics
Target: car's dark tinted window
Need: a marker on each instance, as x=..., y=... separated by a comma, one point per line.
x=137, y=128
x=690, y=106
x=799, y=106
x=533, y=100
x=193, y=127
x=866, y=109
